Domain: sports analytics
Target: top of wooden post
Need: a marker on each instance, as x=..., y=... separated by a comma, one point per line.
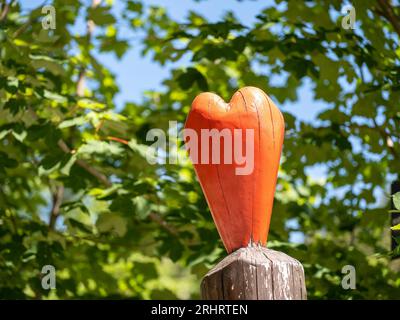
x=255, y=273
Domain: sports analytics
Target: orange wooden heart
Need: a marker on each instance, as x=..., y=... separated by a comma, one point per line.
x=241, y=204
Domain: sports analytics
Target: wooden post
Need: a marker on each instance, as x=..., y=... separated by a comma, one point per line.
x=255, y=273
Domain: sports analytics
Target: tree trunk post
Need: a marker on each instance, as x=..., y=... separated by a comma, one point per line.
x=255, y=273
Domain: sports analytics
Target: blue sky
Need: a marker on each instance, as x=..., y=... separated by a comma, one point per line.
x=136, y=74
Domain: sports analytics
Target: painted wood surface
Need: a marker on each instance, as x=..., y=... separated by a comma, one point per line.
x=241, y=205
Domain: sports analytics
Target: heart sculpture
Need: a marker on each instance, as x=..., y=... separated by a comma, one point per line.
x=240, y=194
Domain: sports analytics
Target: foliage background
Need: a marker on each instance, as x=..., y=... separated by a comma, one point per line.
x=76, y=190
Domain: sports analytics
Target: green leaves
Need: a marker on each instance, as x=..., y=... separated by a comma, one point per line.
x=15, y=105
x=301, y=67
x=100, y=147
x=62, y=144
x=396, y=227
x=134, y=6
x=74, y=153
x=220, y=29
x=101, y=16
x=290, y=53
x=6, y=162
x=396, y=200
x=142, y=207
x=90, y=104
x=190, y=77
x=78, y=121
x=142, y=150
x=76, y=227
x=50, y=64
x=57, y=161
x=53, y=96
x=112, y=223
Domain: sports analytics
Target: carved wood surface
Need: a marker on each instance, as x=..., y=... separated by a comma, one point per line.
x=255, y=273
x=241, y=217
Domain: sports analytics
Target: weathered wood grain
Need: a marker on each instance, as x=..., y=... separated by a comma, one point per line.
x=255, y=273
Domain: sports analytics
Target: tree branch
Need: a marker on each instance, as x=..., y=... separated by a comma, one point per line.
x=80, y=84
x=4, y=11
x=55, y=210
x=387, y=12
x=387, y=138
x=164, y=224
x=59, y=193
x=107, y=183
x=83, y=164
x=25, y=26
